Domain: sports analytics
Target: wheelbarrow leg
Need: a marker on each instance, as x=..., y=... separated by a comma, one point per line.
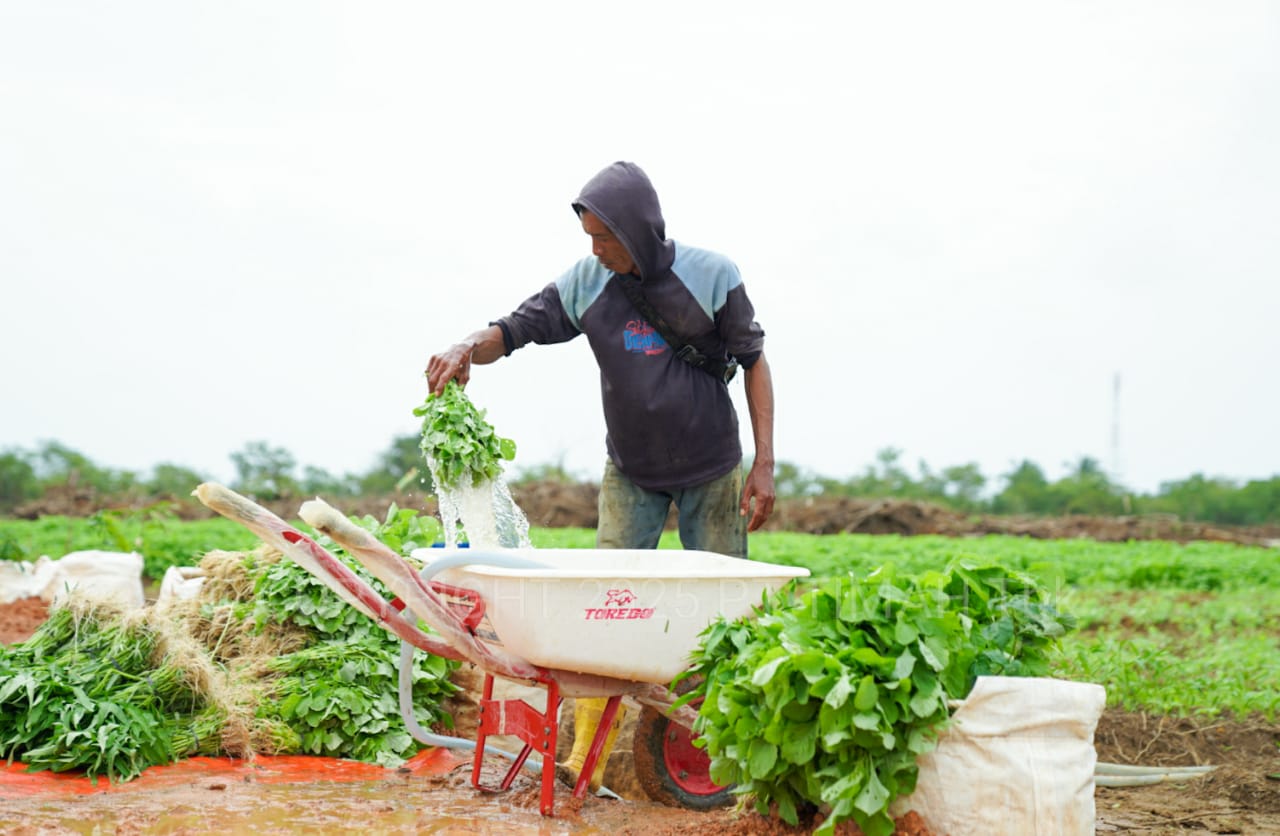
x=597, y=745
x=537, y=729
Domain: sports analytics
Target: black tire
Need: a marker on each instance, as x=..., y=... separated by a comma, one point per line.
x=671, y=771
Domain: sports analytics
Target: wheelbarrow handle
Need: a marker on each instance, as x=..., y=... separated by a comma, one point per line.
x=465, y=605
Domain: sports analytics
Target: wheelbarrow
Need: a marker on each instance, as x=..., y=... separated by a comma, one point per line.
x=578, y=622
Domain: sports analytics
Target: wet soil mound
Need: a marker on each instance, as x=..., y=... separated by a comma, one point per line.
x=562, y=504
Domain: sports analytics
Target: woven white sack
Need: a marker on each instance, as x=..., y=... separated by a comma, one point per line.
x=1017, y=759
x=23, y=579
x=97, y=575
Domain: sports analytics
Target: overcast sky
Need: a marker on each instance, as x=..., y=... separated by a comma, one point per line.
x=961, y=223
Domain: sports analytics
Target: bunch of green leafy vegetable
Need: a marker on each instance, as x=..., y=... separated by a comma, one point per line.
x=286, y=593
x=99, y=691
x=825, y=701
x=458, y=441
x=339, y=692
x=341, y=698
x=91, y=691
x=402, y=529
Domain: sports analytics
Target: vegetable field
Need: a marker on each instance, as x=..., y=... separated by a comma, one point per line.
x=1183, y=637
x=1165, y=627
x=1180, y=629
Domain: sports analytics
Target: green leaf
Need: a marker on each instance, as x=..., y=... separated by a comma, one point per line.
x=725, y=771
x=929, y=656
x=765, y=673
x=919, y=741
x=812, y=665
x=851, y=777
x=787, y=808
x=925, y=703
x=873, y=798
x=801, y=712
x=762, y=758
x=867, y=695
x=889, y=592
x=867, y=656
x=866, y=720
x=840, y=691
x=904, y=665
x=799, y=743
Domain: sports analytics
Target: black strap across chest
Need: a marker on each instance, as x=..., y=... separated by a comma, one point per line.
x=716, y=368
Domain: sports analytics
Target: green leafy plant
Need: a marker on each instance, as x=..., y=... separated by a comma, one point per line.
x=458, y=441
x=402, y=529
x=100, y=691
x=339, y=694
x=92, y=691
x=1178, y=652
x=286, y=593
x=10, y=548
x=826, y=700
x=341, y=698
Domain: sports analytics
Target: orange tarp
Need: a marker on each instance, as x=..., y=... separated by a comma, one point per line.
x=15, y=780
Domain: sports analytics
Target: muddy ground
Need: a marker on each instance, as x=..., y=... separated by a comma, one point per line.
x=1239, y=797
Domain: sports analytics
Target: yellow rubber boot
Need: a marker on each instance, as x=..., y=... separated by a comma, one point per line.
x=586, y=719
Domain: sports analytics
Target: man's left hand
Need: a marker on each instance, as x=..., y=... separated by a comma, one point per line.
x=758, y=495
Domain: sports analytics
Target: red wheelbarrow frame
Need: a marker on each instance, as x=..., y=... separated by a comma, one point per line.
x=538, y=730
x=457, y=639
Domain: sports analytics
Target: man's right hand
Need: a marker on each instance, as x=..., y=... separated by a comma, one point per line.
x=454, y=363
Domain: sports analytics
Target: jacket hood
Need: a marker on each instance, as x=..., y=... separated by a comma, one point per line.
x=623, y=198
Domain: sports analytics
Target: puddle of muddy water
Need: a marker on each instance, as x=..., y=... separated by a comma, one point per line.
x=443, y=804
x=373, y=807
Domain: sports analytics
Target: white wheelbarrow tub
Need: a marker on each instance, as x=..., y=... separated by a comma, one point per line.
x=628, y=613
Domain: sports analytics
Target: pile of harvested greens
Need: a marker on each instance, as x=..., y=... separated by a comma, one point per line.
x=265, y=659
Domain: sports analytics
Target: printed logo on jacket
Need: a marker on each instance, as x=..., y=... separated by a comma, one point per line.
x=640, y=338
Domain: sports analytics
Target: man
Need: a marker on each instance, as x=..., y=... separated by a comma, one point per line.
x=672, y=431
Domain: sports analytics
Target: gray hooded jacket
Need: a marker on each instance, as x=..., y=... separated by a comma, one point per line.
x=670, y=425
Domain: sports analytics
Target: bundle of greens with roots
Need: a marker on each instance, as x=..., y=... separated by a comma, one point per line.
x=821, y=704
x=264, y=660
x=108, y=692
x=317, y=676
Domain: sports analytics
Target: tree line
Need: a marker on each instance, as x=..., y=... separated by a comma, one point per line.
x=1025, y=489
x=269, y=472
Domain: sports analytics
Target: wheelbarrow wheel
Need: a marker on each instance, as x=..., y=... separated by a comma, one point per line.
x=669, y=767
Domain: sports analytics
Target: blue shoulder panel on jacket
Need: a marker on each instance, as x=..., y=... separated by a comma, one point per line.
x=581, y=285
x=708, y=275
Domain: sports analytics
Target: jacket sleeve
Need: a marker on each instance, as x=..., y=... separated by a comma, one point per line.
x=743, y=337
x=539, y=319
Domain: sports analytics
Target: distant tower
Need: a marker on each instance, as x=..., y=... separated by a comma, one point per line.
x=1115, y=427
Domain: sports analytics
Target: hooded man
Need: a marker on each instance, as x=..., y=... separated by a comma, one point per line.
x=672, y=431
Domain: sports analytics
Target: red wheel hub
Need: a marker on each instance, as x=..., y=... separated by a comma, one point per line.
x=688, y=766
